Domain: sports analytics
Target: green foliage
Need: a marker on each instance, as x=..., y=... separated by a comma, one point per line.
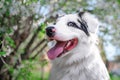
x=10, y=41
x=9, y=30
x=43, y=63
x=11, y=69
x=29, y=70
x=42, y=2
x=24, y=74
x=43, y=25
x=118, y=1
x=114, y=77
x=41, y=33
x=28, y=2
x=2, y=53
x=24, y=71
x=8, y=1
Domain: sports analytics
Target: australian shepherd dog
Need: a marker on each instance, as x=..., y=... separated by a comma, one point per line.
x=74, y=53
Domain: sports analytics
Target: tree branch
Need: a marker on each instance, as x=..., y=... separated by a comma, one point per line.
x=39, y=51
x=40, y=43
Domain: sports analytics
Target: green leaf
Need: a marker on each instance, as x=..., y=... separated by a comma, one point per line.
x=7, y=13
x=10, y=41
x=2, y=53
x=44, y=63
x=42, y=2
x=11, y=70
x=42, y=30
x=28, y=2
x=10, y=30
x=8, y=1
x=41, y=35
x=118, y=1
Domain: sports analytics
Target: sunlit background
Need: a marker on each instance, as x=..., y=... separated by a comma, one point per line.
x=23, y=45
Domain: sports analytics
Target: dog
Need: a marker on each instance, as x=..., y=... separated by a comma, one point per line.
x=74, y=53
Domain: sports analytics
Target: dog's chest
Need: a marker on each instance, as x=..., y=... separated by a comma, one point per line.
x=68, y=73
x=92, y=70
x=75, y=71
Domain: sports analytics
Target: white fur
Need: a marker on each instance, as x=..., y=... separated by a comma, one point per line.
x=84, y=61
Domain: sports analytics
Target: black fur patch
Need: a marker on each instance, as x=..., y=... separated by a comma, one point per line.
x=83, y=26
x=80, y=14
x=83, y=23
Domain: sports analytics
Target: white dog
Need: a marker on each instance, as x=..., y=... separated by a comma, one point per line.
x=74, y=54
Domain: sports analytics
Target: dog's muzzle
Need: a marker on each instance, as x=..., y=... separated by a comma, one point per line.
x=50, y=31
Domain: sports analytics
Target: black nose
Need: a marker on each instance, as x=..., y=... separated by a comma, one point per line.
x=50, y=31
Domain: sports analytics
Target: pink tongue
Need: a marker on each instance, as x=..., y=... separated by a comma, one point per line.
x=56, y=50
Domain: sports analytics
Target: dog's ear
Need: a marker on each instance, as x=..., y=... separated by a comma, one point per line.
x=59, y=15
x=91, y=21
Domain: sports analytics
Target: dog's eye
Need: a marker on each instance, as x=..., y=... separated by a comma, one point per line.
x=71, y=24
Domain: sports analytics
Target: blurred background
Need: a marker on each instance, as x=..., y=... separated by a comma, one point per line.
x=23, y=45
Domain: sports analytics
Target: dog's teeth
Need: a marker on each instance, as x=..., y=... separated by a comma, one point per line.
x=68, y=44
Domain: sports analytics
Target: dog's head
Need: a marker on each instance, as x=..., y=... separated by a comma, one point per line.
x=68, y=31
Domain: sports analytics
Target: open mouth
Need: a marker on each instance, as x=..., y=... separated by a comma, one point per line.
x=61, y=48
